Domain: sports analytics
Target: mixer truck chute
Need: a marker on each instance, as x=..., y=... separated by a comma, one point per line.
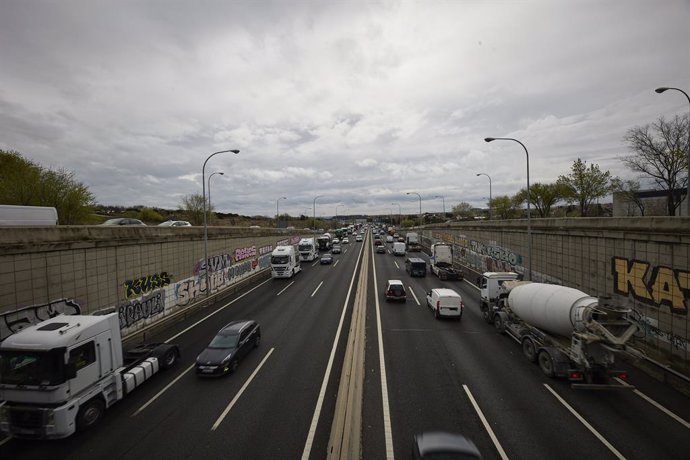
x=567, y=332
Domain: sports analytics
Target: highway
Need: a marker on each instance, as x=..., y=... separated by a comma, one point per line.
x=459, y=376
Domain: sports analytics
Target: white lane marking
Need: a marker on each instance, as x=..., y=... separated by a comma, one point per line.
x=413, y=295
x=336, y=262
x=485, y=422
x=165, y=388
x=211, y=314
x=585, y=423
x=387, y=430
x=239, y=393
x=396, y=264
x=657, y=405
x=5, y=440
x=317, y=288
x=283, y=290
x=316, y=262
x=322, y=392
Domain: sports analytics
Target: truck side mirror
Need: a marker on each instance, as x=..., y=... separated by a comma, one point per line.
x=70, y=371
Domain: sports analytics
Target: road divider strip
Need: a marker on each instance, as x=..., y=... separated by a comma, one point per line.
x=346, y=429
x=413, y=295
x=316, y=290
x=285, y=288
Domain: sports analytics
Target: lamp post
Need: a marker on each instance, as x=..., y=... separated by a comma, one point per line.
x=687, y=193
x=399, y=213
x=203, y=189
x=209, y=188
x=490, y=199
x=314, y=207
x=420, y=205
x=278, y=209
x=529, y=226
x=444, y=205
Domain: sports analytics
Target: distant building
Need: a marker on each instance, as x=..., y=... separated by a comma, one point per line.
x=647, y=203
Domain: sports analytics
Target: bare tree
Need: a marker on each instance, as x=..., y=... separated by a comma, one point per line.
x=659, y=152
x=585, y=184
x=629, y=192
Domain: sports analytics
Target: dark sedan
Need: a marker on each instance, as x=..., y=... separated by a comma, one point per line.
x=326, y=259
x=228, y=347
x=441, y=445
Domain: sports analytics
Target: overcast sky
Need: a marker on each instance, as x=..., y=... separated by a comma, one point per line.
x=358, y=101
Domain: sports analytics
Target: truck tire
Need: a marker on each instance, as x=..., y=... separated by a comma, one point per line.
x=89, y=414
x=499, y=324
x=529, y=350
x=546, y=363
x=169, y=359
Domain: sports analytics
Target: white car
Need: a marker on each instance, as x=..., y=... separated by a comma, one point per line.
x=346, y=240
x=175, y=223
x=336, y=241
x=445, y=302
x=358, y=238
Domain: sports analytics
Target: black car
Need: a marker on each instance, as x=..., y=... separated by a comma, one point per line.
x=448, y=446
x=228, y=347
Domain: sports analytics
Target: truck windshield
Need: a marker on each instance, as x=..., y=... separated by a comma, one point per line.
x=20, y=367
x=305, y=247
x=280, y=259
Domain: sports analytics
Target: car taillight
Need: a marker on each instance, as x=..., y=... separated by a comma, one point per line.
x=462, y=305
x=622, y=375
x=438, y=304
x=575, y=375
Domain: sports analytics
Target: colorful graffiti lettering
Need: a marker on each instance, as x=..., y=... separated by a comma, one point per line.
x=265, y=250
x=664, y=286
x=145, y=284
x=245, y=253
x=134, y=312
x=15, y=321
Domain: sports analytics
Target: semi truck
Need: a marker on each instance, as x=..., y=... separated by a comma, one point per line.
x=307, y=249
x=412, y=242
x=441, y=262
x=324, y=242
x=567, y=332
x=285, y=262
x=60, y=375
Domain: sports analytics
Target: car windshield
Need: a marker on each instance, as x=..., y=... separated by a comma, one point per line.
x=279, y=259
x=21, y=367
x=224, y=341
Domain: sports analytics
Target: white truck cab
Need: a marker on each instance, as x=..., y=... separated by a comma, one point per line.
x=285, y=262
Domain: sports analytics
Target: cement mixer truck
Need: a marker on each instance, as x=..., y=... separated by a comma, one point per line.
x=567, y=332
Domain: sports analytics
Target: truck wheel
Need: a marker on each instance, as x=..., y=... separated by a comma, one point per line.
x=499, y=324
x=546, y=363
x=529, y=350
x=169, y=359
x=89, y=414
x=485, y=313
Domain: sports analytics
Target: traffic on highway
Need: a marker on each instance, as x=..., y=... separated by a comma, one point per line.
x=431, y=364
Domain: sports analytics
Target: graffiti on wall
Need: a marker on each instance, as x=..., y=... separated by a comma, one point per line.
x=651, y=329
x=145, y=284
x=17, y=320
x=139, y=310
x=658, y=286
x=215, y=263
x=188, y=290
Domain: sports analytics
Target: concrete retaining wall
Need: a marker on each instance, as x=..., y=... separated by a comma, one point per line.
x=143, y=273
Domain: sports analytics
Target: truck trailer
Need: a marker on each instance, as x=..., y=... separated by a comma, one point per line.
x=567, y=332
x=60, y=375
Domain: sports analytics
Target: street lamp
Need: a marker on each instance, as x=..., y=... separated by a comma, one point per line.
x=420, y=205
x=444, y=204
x=399, y=212
x=687, y=193
x=203, y=189
x=529, y=226
x=490, y=199
x=278, y=209
x=209, y=188
x=314, y=221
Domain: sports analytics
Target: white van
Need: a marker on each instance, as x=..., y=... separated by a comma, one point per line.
x=445, y=302
x=27, y=215
x=398, y=248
